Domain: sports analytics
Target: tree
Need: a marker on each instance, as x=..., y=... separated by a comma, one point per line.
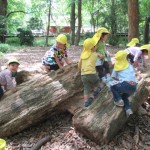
x=79, y=21
x=49, y=14
x=72, y=22
x=133, y=16
x=3, y=12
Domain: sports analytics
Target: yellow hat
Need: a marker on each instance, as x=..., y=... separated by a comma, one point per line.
x=133, y=42
x=147, y=47
x=13, y=60
x=99, y=32
x=121, y=61
x=87, y=46
x=2, y=144
x=61, y=38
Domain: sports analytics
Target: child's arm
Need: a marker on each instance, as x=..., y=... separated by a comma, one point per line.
x=100, y=56
x=58, y=62
x=67, y=61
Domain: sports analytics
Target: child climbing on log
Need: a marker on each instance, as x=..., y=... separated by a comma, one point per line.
x=88, y=71
x=125, y=83
x=102, y=65
x=138, y=54
x=53, y=58
x=7, y=76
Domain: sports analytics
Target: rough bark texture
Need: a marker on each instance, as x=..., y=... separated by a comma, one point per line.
x=133, y=16
x=72, y=22
x=45, y=95
x=146, y=30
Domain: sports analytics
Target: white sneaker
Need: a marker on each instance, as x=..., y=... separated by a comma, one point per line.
x=119, y=103
x=129, y=112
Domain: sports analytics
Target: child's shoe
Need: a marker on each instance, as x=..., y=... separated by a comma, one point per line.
x=104, y=80
x=95, y=94
x=129, y=112
x=119, y=103
x=88, y=102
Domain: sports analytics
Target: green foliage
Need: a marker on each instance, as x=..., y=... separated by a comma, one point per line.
x=13, y=41
x=88, y=35
x=4, y=48
x=25, y=36
x=40, y=41
x=35, y=23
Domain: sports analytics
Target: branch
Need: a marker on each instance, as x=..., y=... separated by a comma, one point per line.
x=18, y=12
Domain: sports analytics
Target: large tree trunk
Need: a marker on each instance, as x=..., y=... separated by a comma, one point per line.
x=3, y=12
x=45, y=95
x=146, y=30
x=79, y=21
x=72, y=22
x=133, y=16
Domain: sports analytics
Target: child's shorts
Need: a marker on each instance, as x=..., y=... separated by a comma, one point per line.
x=52, y=67
x=89, y=81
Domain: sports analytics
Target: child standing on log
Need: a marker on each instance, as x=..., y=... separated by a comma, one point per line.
x=53, y=58
x=102, y=65
x=7, y=76
x=88, y=71
x=125, y=82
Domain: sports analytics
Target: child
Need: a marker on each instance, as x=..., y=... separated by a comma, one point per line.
x=136, y=54
x=126, y=82
x=88, y=72
x=102, y=65
x=53, y=58
x=7, y=76
x=134, y=42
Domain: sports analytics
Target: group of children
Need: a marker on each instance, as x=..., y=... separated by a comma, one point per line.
x=94, y=67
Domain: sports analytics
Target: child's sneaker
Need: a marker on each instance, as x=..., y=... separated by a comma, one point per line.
x=88, y=102
x=95, y=94
x=119, y=103
x=129, y=112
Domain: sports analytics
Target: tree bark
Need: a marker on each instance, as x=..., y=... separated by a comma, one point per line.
x=133, y=16
x=48, y=25
x=45, y=95
x=3, y=12
x=146, y=30
x=72, y=23
x=79, y=21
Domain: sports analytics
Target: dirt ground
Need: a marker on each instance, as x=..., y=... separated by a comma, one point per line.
x=135, y=135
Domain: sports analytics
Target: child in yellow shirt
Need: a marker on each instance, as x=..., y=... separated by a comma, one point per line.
x=88, y=71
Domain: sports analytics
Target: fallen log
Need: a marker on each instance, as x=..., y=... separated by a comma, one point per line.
x=45, y=95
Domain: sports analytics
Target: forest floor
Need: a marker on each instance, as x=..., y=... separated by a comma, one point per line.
x=134, y=135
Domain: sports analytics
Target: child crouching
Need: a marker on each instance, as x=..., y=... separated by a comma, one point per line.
x=7, y=76
x=88, y=71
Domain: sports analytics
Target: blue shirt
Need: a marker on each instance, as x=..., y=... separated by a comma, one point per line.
x=125, y=75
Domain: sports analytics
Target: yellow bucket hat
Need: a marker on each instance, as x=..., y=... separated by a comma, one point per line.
x=61, y=38
x=2, y=144
x=99, y=32
x=121, y=61
x=87, y=46
x=133, y=42
x=13, y=60
x=147, y=47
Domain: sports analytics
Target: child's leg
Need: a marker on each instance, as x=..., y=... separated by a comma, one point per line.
x=126, y=101
x=1, y=92
x=106, y=67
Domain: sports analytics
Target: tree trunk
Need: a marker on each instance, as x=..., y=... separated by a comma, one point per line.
x=133, y=16
x=79, y=21
x=72, y=23
x=146, y=30
x=45, y=95
x=3, y=12
x=49, y=14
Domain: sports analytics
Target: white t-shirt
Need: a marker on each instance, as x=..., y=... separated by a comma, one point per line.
x=135, y=51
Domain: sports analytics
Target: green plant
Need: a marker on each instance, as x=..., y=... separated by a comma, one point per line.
x=88, y=35
x=25, y=36
x=4, y=48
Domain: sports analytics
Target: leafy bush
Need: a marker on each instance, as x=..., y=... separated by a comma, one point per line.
x=40, y=41
x=88, y=35
x=4, y=48
x=13, y=41
x=25, y=36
